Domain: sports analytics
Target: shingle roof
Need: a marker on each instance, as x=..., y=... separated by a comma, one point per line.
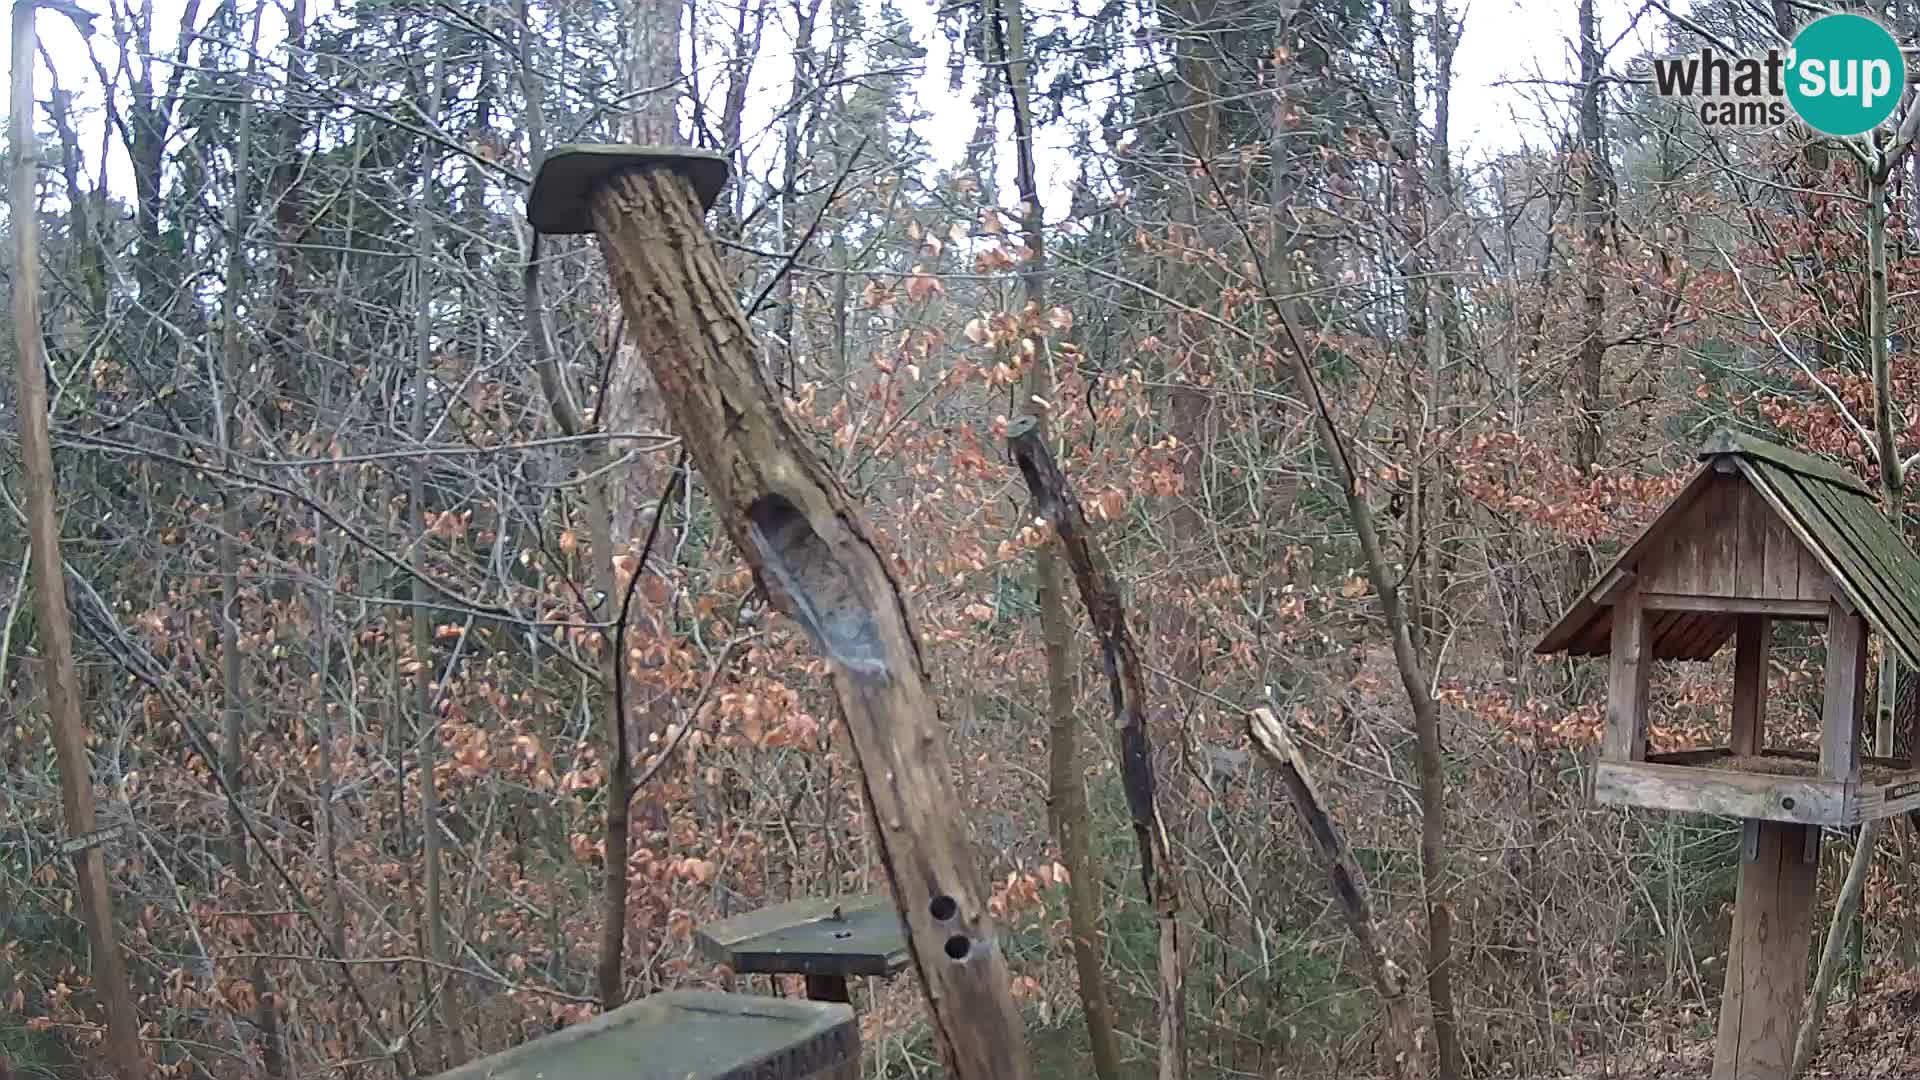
x=1832, y=513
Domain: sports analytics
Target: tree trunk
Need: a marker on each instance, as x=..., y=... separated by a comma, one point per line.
x=232, y=690
x=1127, y=688
x=1590, y=376
x=811, y=550
x=449, y=1045
x=1066, y=783
x=49, y=580
x=1349, y=888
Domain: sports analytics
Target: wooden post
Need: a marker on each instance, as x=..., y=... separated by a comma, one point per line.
x=1628, y=666
x=1752, y=636
x=810, y=548
x=1767, y=958
x=1846, y=693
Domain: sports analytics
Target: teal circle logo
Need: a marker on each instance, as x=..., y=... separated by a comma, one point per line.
x=1846, y=75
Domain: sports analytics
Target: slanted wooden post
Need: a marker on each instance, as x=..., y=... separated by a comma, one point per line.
x=810, y=548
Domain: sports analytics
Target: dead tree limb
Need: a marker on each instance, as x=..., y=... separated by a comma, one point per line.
x=1349, y=890
x=1126, y=683
x=810, y=548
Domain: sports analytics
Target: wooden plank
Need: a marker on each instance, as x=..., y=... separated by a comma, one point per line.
x=1700, y=635
x=1874, y=572
x=1783, y=552
x=1718, y=537
x=1612, y=584
x=1691, y=789
x=1702, y=755
x=1845, y=695
x=1751, y=640
x=1733, y=442
x=1751, y=518
x=1652, y=540
x=1628, y=668
x=1791, y=509
x=1891, y=799
x=1782, y=609
x=689, y=1035
x=1766, y=977
x=1892, y=561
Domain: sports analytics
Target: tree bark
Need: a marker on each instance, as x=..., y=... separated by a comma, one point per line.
x=50, y=595
x=450, y=1045
x=1127, y=687
x=232, y=690
x=1066, y=785
x=811, y=550
x=1349, y=891
x=1435, y=877
x=1590, y=372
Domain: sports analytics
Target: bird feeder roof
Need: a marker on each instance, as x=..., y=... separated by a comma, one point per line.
x=1830, y=514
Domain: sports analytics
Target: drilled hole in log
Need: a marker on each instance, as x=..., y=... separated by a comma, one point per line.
x=958, y=947
x=943, y=908
x=820, y=593
x=1786, y=803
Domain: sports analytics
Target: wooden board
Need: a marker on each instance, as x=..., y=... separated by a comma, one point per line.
x=805, y=937
x=1845, y=698
x=1629, y=667
x=1691, y=789
x=689, y=1035
x=1767, y=956
x=1753, y=637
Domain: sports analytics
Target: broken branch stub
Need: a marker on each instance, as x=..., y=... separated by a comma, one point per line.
x=810, y=548
x=1127, y=687
x=1349, y=889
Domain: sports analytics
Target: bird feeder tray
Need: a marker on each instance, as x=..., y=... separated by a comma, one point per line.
x=824, y=940
x=561, y=199
x=689, y=1035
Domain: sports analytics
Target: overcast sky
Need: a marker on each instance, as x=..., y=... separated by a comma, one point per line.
x=1495, y=108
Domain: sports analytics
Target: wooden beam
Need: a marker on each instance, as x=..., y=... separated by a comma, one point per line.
x=1751, y=638
x=1696, y=790
x=1767, y=957
x=1735, y=605
x=1627, y=671
x=1617, y=580
x=1845, y=695
x=812, y=551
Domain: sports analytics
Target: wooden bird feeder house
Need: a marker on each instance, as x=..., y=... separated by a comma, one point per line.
x=1761, y=534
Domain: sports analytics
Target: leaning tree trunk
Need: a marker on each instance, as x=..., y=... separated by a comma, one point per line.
x=49, y=579
x=812, y=550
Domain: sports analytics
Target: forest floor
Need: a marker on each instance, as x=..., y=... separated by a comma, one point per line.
x=1875, y=1036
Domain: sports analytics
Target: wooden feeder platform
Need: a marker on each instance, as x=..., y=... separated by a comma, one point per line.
x=1772, y=785
x=689, y=1035
x=825, y=940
